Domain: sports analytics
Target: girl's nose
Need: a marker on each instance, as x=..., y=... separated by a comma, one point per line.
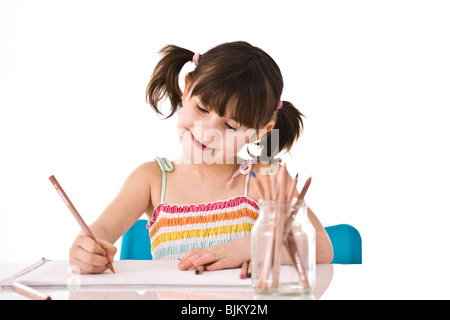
x=212, y=122
x=211, y=125
x=211, y=129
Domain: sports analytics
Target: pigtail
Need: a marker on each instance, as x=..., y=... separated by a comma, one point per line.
x=288, y=128
x=164, y=80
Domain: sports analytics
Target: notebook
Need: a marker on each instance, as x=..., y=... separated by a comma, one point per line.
x=128, y=273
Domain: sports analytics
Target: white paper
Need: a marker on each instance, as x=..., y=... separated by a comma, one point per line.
x=131, y=273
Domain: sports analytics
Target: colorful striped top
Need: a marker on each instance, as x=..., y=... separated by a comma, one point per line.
x=175, y=229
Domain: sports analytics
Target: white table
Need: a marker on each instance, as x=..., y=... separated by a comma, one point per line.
x=333, y=282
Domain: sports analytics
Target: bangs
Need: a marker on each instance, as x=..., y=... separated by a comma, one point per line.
x=243, y=98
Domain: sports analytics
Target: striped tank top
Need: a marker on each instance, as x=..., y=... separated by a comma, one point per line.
x=175, y=229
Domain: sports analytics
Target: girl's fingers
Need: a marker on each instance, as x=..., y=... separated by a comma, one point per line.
x=198, y=257
x=89, y=258
x=221, y=264
x=110, y=249
x=220, y=256
x=79, y=266
x=186, y=261
x=90, y=245
x=206, y=258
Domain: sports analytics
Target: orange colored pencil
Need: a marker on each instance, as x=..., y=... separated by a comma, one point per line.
x=280, y=217
x=75, y=213
x=305, y=189
x=30, y=292
x=293, y=188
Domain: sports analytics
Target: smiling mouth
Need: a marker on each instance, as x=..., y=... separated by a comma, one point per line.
x=199, y=144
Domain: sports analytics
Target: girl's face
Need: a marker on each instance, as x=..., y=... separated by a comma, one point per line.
x=208, y=138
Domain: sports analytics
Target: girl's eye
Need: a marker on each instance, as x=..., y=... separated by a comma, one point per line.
x=230, y=127
x=202, y=110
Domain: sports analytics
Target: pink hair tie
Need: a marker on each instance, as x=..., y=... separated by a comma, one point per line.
x=195, y=58
x=280, y=105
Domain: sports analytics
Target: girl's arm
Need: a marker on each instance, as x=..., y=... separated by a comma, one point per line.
x=133, y=200
x=324, y=248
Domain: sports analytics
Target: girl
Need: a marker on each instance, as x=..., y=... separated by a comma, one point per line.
x=201, y=207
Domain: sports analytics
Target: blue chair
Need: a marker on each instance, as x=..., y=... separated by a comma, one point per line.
x=136, y=242
x=345, y=239
x=346, y=242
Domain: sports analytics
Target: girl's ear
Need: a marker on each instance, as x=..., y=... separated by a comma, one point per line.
x=268, y=127
x=186, y=87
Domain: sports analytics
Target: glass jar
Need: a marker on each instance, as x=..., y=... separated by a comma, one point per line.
x=283, y=248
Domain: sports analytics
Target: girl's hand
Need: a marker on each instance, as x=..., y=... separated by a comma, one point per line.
x=231, y=254
x=90, y=256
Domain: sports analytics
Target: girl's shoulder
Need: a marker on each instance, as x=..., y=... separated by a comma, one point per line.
x=149, y=167
x=142, y=186
x=146, y=172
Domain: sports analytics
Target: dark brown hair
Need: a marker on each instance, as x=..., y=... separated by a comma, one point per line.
x=235, y=70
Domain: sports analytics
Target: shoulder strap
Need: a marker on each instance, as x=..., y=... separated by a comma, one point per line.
x=244, y=168
x=166, y=166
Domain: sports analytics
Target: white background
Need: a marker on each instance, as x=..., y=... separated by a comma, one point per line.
x=372, y=77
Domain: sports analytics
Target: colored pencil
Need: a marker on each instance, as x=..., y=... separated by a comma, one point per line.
x=244, y=270
x=305, y=189
x=290, y=242
x=268, y=262
x=293, y=188
x=200, y=269
x=279, y=224
x=277, y=188
x=30, y=292
x=75, y=213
